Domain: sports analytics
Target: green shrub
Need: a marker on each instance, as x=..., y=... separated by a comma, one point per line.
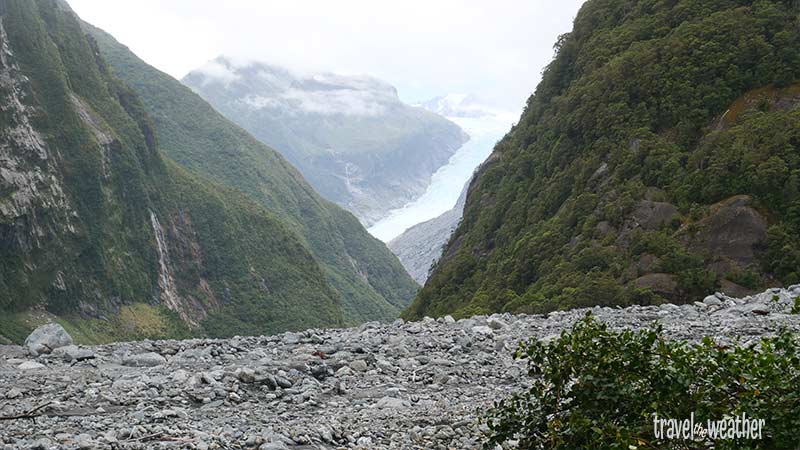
x=598, y=389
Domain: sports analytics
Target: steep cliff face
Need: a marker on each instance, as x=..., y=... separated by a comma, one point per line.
x=371, y=281
x=351, y=136
x=658, y=159
x=98, y=229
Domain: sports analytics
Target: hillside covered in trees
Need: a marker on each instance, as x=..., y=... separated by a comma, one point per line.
x=103, y=233
x=657, y=160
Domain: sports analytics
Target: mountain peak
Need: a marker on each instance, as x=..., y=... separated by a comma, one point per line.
x=458, y=105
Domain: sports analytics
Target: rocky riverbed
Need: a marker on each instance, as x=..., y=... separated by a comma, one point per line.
x=419, y=385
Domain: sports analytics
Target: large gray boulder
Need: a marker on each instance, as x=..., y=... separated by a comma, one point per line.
x=47, y=338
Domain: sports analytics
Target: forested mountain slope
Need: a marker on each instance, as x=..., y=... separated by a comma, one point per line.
x=102, y=233
x=657, y=159
x=369, y=277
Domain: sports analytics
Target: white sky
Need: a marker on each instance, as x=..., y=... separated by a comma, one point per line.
x=494, y=49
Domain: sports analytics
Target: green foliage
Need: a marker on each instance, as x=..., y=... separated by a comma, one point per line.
x=367, y=276
x=236, y=266
x=688, y=102
x=592, y=388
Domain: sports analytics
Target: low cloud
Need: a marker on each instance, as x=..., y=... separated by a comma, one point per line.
x=346, y=102
x=217, y=71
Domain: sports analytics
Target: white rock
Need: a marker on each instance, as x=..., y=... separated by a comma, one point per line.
x=30, y=365
x=483, y=329
x=13, y=393
x=47, y=338
x=359, y=365
x=495, y=323
x=392, y=403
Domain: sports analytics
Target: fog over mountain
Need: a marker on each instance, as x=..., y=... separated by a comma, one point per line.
x=423, y=48
x=350, y=135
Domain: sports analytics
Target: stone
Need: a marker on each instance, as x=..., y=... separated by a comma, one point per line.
x=392, y=403
x=712, y=300
x=495, y=323
x=47, y=338
x=283, y=382
x=291, y=338
x=385, y=366
x=732, y=231
x=482, y=330
x=30, y=365
x=150, y=359
x=412, y=390
x=13, y=393
x=246, y=375
x=273, y=446
x=358, y=365
x=661, y=283
x=653, y=215
x=74, y=353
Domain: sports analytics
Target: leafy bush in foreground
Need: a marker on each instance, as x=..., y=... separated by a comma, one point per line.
x=598, y=389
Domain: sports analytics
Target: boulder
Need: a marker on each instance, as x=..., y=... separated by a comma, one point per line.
x=653, y=215
x=359, y=365
x=150, y=359
x=482, y=330
x=74, y=353
x=30, y=365
x=47, y=338
x=660, y=283
x=391, y=403
x=731, y=232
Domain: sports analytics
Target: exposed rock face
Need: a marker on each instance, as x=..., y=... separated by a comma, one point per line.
x=47, y=338
x=33, y=206
x=660, y=283
x=404, y=385
x=350, y=136
x=731, y=232
x=421, y=245
x=652, y=215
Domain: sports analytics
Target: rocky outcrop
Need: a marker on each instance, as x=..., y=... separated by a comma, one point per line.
x=731, y=232
x=660, y=283
x=33, y=206
x=379, y=386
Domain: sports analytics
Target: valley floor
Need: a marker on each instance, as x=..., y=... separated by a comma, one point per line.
x=415, y=385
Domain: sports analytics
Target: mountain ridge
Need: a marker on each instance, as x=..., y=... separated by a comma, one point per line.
x=107, y=236
x=197, y=137
x=618, y=185
x=351, y=136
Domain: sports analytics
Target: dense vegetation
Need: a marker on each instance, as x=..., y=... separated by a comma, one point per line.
x=673, y=106
x=369, y=278
x=593, y=388
x=98, y=230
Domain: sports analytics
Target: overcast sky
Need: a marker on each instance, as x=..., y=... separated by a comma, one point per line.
x=494, y=49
